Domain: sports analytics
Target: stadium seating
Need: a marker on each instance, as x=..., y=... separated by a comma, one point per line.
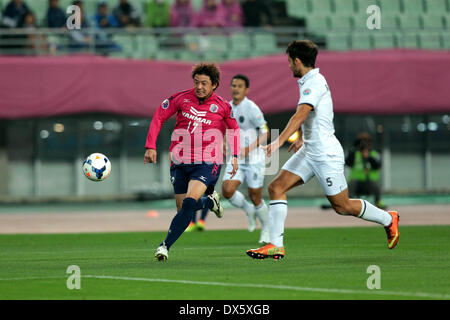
x=297, y=8
x=344, y=7
x=413, y=6
x=264, y=43
x=433, y=22
x=321, y=7
x=126, y=44
x=341, y=22
x=430, y=40
x=410, y=22
x=361, y=41
x=147, y=46
x=240, y=42
x=338, y=41
x=383, y=40
x=362, y=5
x=391, y=6
x=436, y=6
x=407, y=40
x=445, y=40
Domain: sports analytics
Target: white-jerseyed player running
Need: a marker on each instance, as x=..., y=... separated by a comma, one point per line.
x=253, y=130
x=318, y=153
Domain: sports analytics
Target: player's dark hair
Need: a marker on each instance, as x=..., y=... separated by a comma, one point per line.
x=305, y=50
x=242, y=77
x=208, y=69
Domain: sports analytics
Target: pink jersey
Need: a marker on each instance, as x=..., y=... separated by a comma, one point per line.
x=199, y=127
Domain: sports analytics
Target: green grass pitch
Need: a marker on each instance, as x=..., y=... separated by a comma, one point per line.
x=325, y=263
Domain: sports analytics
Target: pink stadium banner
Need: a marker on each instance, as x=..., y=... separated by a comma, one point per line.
x=371, y=82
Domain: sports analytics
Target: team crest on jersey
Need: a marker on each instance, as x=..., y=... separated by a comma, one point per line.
x=214, y=108
x=165, y=104
x=306, y=92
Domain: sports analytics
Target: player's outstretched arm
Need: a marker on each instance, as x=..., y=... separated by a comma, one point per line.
x=293, y=125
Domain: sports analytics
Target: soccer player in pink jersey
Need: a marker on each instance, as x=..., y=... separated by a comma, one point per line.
x=202, y=119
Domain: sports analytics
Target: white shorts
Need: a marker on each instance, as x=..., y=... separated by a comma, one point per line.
x=253, y=174
x=330, y=172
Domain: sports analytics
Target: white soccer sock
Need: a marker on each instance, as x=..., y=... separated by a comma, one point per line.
x=238, y=200
x=262, y=212
x=277, y=214
x=371, y=213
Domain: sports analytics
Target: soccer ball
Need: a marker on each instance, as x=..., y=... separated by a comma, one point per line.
x=97, y=167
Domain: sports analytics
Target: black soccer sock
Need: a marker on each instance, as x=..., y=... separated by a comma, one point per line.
x=204, y=203
x=181, y=221
x=204, y=213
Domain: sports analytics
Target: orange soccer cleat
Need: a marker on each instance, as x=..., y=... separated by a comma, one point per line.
x=267, y=251
x=191, y=227
x=392, y=230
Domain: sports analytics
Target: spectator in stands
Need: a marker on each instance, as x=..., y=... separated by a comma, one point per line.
x=103, y=19
x=14, y=14
x=56, y=18
x=182, y=14
x=254, y=10
x=127, y=15
x=365, y=164
x=36, y=42
x=211, y=15
x=158, y=14
x=234, y=15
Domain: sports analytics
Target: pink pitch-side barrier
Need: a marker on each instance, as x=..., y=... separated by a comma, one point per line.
x=372, y=82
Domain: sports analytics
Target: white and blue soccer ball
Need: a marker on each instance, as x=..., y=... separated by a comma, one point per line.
x=97, y=167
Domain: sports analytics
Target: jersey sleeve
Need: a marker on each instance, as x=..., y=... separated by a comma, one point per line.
x=167, y=109
x=232, y=130
x=311, y=93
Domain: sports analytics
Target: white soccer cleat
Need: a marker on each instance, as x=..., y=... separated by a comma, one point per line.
x=162, y=254
x=264, y=238
x=251, y=219
x=217, y=207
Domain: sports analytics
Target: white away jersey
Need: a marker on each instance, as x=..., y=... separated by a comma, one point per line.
x=318, y=129
x=251, y=124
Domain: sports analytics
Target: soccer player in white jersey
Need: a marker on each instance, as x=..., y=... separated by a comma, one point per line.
x=318, y=153
x=253, y=131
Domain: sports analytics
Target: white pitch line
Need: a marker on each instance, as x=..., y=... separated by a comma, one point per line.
x=280, y=287
x=251, y=285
